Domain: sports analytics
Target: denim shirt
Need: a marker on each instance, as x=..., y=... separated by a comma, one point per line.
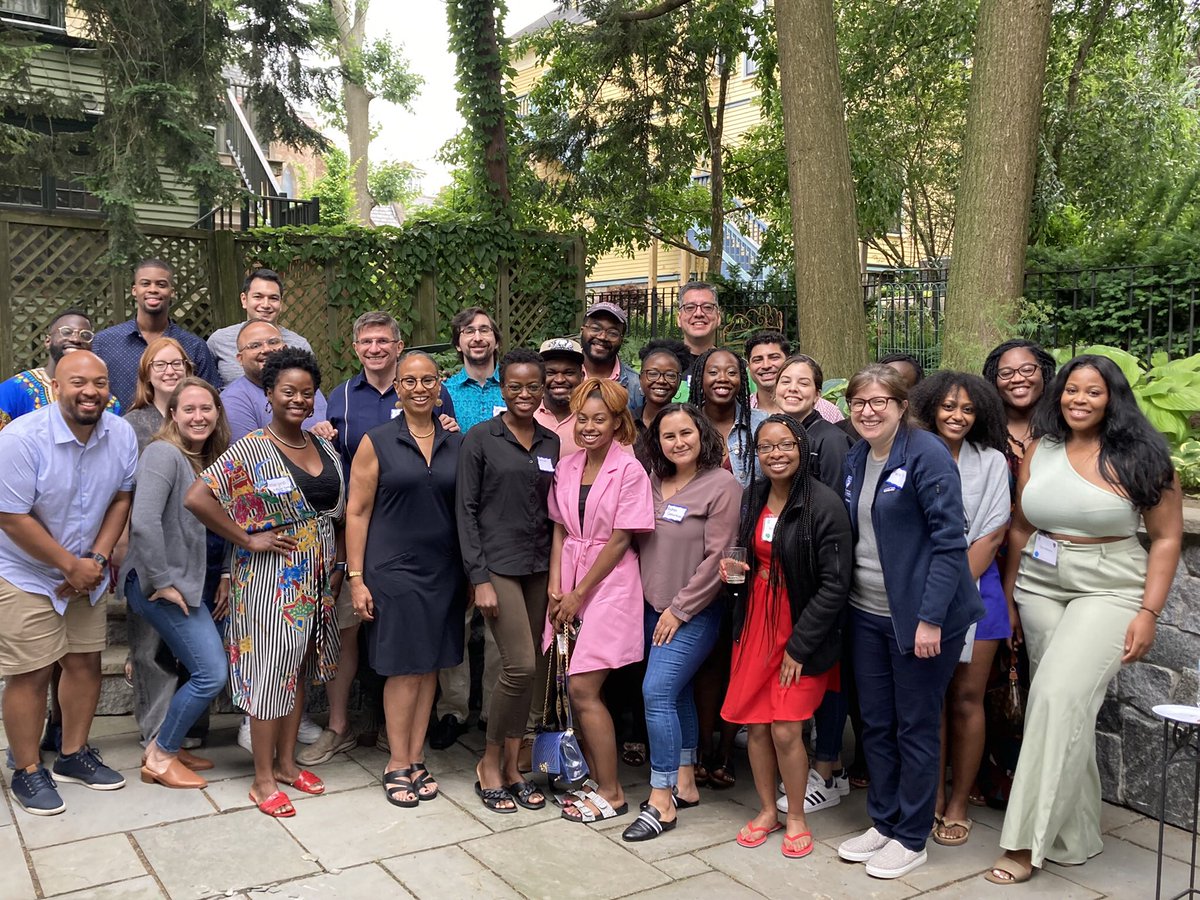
x=736, y=455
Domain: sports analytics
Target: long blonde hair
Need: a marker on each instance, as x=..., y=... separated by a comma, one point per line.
x=217, y=442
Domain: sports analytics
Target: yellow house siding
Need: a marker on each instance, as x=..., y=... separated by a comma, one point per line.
x=69, y=72
x=182, y=216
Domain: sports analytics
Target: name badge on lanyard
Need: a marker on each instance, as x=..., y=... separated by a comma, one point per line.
x=768, y=529
x=674, y=513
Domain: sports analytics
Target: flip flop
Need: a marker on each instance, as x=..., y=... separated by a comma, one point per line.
x=750, y=836
x=940, y=836
x=274, y=805
x=1018, y=873
x=307, y=782
x=790, y=839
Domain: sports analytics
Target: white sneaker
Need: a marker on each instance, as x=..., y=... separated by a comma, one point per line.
x=244, y=735
x=841, y=782
x=895, y=860
x=820, y=794
x=309, y=730
x=863, y=847
x=742, y=738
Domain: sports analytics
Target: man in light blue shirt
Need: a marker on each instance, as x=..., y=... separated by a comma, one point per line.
x=475, y=389
x=64, y=500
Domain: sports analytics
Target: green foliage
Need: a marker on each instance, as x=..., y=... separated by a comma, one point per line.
x=394, y=182
x=1186, y=459
x=334, y=189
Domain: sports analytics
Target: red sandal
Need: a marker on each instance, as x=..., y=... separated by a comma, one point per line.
x=750, y=836
x=789, y=841
x=307, y=782
x=274, y=805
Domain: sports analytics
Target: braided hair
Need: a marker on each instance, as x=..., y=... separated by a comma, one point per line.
x=741, y=422
x=792, y=547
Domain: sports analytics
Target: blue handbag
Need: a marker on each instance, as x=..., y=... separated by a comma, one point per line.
x=556, y=751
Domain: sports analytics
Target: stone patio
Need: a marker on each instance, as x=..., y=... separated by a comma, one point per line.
x=149, y=842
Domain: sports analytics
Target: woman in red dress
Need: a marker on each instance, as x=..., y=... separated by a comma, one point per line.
x=788, y=632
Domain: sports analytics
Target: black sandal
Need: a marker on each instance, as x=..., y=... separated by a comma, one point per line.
x=493, y=797
x=521, y=791
x=647, y=826
x=425, y=779
x=722, y=776
x=633, y=753
x=400, y=781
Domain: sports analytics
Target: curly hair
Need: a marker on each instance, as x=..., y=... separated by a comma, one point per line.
x=741, y=423
x=1133, y=455
x=1045, y=362
x=670, y=347
x=649, y=444
x=522, y=356
x=144, y=395
x=989, y=428
x=290, y=358
x=615, y=399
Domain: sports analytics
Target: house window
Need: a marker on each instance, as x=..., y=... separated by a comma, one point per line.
x=50, y=194
x=37, y=10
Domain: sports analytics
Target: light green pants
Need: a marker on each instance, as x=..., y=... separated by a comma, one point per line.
x=1075, y=616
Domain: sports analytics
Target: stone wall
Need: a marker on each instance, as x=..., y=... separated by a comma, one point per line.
x=1129, y=737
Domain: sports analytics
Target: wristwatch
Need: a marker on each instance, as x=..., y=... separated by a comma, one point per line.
x=99, y=558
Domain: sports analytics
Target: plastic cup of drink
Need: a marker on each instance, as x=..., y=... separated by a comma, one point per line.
x=735, y=574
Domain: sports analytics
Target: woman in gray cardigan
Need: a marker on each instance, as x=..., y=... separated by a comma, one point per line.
x=163, y=573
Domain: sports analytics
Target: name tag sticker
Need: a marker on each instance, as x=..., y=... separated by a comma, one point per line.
x=1045, y=549
x=395, y=412
x=674, y=513
x=768, y=531
x=545, y=464
x=897, y=479
x=496, y=410
x=281, y=485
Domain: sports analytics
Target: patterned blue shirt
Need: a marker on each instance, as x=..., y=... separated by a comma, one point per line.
x=67, y=486
x=30, y=390
x=121, y=347
x=475, y=402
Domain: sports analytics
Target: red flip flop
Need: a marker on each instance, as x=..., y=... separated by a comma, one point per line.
x=789, y=839
x=274, y=805
x=307, y=782
x=750, y=836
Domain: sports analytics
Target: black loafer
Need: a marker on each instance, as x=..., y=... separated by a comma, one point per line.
x=447, y=730
x=647, y=826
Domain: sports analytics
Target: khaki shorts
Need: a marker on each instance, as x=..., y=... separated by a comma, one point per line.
x=35, y=636
x=345, y=607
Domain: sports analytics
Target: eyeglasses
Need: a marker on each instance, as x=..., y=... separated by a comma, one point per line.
x=785, y=446
x=595, y=330
x=689, y=309
x=258, y=345
x=376, y=342
x=653, y=375
x=534, y=387
x=1024, y=371
x=408, y=382
x=879, y=404
x=481, y=330
x=82, y=334
x=161, y=365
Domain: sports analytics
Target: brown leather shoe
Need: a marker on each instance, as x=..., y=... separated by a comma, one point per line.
x=177, y=775
x=194, y=762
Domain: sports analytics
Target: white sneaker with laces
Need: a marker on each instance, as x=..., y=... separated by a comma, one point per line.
x=309, y=730
x=244, y=735
x=863, y=847
x=820, y=795
x=895, y=860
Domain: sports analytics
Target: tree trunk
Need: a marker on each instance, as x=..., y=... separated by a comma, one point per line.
x=824, y=226
x=714, y=130
x=487, y=49
x=991, y=230
x=352, y=26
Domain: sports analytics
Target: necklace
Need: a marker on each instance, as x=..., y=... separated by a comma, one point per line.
x=427, y=434
x=299, y=446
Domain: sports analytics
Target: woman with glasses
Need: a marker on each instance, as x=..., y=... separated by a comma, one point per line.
x=912, y=599
x=1020, y=370
x=787, y=625
x=662, y=371
x=163, y=365
x=505, y=467
x=404, y=568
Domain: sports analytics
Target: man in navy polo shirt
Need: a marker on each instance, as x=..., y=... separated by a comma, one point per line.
x=121, y=346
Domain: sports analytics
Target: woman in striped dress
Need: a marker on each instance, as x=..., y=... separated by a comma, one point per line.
x=277, y=495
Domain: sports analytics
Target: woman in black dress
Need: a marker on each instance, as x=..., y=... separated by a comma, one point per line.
x=405, y=570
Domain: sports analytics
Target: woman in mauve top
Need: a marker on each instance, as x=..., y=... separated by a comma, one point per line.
x=696, y=505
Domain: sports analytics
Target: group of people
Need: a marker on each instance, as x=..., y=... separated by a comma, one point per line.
x=710, y=524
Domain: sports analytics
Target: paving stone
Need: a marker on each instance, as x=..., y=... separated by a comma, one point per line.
x=950, y=864
x=560, y=848
x=448, y=872
x=93, y=813
x=14, y=876
x=1177, y=843
x=710, y=884
x=459, y=786
x=1113, y=817
x=765, y=870
x=5, y=812
x=680, y=867
x=1043, y=886
x=143, y=888
x=704, y=826
x=360, y=881
x=374, y=829
x=219, y=853
x=85, y=864
x=1124, y=871
x=338, y=774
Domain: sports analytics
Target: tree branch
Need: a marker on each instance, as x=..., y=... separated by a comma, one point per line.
x=643, y=15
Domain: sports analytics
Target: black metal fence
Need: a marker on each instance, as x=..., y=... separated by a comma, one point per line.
x=1141, y=309
x=261, y=212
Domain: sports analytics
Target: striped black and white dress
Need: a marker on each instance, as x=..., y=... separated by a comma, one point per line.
x=279, y=604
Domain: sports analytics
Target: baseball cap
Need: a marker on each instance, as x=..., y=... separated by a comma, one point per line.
x=562, y=347
x=609, y=309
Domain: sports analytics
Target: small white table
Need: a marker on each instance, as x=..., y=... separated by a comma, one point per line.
x=1181, y=744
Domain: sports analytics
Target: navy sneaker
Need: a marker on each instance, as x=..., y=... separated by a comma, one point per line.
x=37, y=792
x=52, y=739
x=87, y=768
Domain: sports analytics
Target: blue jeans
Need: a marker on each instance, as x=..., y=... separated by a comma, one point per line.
x=901, y=698
x=830, y=721
x=670, y=707
x=194, y=641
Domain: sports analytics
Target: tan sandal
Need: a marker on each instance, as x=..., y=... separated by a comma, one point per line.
x=943, y=836
x=1017, y=872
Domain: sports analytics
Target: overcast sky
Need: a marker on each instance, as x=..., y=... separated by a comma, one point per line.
x=420, y=27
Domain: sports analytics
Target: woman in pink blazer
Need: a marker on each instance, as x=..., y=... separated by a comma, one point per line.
x=600, y=497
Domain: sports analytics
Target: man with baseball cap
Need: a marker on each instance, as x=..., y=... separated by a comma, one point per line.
x=603, y=332
x=564, y=373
